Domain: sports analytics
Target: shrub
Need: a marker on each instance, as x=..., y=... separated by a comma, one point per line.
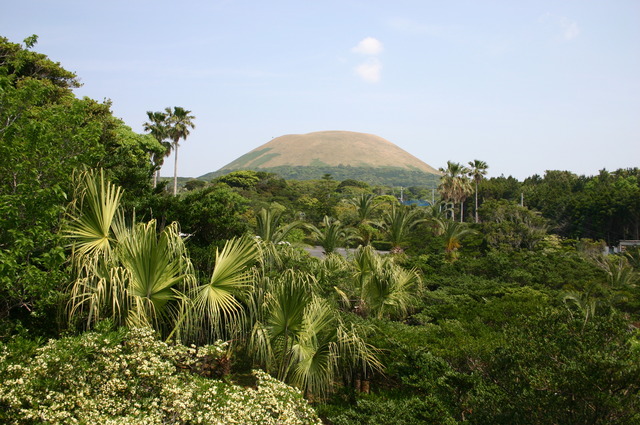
x=129, y=377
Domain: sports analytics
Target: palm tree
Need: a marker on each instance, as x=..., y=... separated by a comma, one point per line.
x=179, y=122
x=332, y=234
x=157, y=127
x=453, y=233
x=477, y=172
x=268, y=226
x=398, y=222
x=365, y=206
x=455, y=186
x=132, y=274
x=299, y=337
x=379, y=287
x=218, y=310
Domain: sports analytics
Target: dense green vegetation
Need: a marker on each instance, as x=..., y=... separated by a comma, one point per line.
x=387, y=176
x=494, y=306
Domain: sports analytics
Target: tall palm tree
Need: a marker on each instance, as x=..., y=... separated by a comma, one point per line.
x=180, y=123
x=455, y=186
x=157, y=127
x=477, y=172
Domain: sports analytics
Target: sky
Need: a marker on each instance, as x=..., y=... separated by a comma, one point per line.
x=526, y=86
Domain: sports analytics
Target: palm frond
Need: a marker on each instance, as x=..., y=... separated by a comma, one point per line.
x=217, y=304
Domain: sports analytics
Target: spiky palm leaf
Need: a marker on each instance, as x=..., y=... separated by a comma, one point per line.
x=398, y=223
x=217, y=305
x=332, y=234
x=157, y=267
x=94, y=216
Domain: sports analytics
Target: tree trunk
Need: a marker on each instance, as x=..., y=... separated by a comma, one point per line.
x=461, y=211
x=175, y=169
x=476, y=202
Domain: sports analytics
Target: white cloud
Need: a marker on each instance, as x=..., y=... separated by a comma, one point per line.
x=370, y=70
x=368, y=46
x=570, y=29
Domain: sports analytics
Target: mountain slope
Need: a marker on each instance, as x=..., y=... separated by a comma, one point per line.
x=344, y=154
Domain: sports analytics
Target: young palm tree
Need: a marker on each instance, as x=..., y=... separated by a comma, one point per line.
x=365, y=206
x=477, y=172
x=268, y=226
x=271, y=235
x=180, y=123
x=130, y=274
x=157, y=127
x=398, y=222
x=332, y=234
x=299, y=337
x=453, y=233
x=379, y=287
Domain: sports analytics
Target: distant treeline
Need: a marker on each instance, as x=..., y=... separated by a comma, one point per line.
x=386, y=176
x=605, y=206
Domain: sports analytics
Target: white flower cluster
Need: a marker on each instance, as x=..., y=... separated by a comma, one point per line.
x=129, y=377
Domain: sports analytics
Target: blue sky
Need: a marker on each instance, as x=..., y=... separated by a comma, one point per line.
x=526, y=86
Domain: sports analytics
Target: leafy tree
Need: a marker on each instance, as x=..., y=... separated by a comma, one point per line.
x=553, y=369
x=45, y=134
x=510, y=226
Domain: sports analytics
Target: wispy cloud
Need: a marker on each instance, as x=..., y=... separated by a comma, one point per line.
x=370, y=70
x=568, y=28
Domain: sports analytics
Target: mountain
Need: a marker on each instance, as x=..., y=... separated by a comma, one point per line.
x=343, y=154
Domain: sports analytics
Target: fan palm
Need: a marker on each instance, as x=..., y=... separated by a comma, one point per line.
x=218, y=306
x=299, y=337
x=453, y=233
x=132, y=275
x=179, y=125
x=378, y=286
x=268, y=226
x=271, y=233
x=477, y=172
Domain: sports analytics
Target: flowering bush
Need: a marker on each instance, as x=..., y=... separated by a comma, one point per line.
x=129, y=377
